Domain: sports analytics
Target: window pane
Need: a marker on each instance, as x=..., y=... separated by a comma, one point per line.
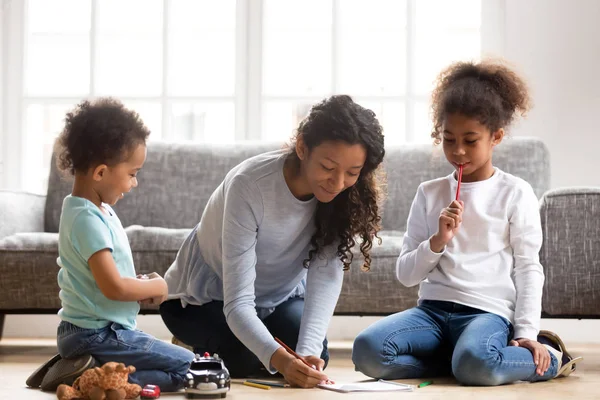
x=57, y=65
x=372, y=47
x=151, y=114
x=436, y=51
x=422, y=122
x=297, y=47
x=58, y=16
x=391, y=116
x=446, y=31
x=129, y=48
x=202, y=48
x=202, y=122
x=129, y=66
x=43, y=123
x=130, y=16
x=57, y=47
x=444, y=14
x=281, y=119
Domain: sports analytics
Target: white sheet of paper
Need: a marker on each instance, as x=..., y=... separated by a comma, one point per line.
x=378, y=386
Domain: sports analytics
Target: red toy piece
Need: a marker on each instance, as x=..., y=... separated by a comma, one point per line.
x=150, y=392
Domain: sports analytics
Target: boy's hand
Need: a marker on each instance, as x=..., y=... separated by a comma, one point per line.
x=152, y=275
x=541, y=355
x=157, y=299
x=448, y=224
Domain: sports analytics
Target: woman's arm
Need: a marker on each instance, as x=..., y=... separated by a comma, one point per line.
x=323, y=286
x=241, y=218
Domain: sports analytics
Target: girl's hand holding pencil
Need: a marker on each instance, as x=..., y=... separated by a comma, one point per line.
x=448, y=224
x=450, y=219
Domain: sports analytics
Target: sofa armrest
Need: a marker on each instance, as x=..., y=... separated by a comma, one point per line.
x=570, y=252
x=21, y=212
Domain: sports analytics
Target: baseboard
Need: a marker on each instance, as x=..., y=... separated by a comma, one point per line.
x=342, y=328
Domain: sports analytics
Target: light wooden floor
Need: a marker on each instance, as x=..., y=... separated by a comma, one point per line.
x=19, y=358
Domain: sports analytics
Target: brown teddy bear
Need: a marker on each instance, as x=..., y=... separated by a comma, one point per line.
x=108, y=382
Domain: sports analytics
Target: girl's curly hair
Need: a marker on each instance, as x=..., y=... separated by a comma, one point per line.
x=355, y=211
x=98, y=132
x=488, y=91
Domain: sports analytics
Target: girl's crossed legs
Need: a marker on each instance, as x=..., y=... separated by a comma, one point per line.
x=418, y=342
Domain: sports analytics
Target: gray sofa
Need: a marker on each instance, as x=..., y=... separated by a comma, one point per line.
x=177, y=181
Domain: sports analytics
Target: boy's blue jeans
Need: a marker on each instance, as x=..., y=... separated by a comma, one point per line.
x=156, y=362
x=440, y=337
x=205, y=329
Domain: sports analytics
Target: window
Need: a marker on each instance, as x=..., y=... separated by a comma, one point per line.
x=223, y=70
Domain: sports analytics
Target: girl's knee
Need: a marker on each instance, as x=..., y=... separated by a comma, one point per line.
x=474, y=368
x=367, y=355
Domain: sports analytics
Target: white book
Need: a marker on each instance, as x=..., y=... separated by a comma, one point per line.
x=377, y=386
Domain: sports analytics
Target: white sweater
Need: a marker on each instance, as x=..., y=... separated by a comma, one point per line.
x=493, y=261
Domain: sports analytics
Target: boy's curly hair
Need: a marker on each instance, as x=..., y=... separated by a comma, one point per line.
x=98, y=132
x=355, y=211
x=488, y=91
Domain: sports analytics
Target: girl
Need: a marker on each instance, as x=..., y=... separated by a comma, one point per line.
x=267, y=257
x=103, y=146
x=476, y=259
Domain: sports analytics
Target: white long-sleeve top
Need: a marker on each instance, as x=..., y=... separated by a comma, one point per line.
x=492, y=263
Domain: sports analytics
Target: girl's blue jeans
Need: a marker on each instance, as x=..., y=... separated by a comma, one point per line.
x=438, y=338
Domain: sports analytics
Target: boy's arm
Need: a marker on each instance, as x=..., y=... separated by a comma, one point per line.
x=118, y=288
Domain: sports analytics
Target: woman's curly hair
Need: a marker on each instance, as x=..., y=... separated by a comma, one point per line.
x=98, y=132
x=355, y=211
x=488, y=91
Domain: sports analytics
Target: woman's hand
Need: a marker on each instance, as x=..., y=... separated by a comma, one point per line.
x=541, y=355
x=295, y=372
x=448, y=223
x=319, y=364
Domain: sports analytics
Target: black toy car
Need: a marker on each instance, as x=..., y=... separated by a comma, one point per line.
x=207, y=376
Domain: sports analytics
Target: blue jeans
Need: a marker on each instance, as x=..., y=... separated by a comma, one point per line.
x=205, y=329
x=156, y=362
x=440, y=337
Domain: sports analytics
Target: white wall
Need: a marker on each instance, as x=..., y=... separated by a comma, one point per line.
x=556, y=44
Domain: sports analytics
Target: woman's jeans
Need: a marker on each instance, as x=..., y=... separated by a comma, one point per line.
x=440, y=337
x=205, y=329
x=156, y=362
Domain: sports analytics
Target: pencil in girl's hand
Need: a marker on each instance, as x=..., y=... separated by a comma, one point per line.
x=460, y=170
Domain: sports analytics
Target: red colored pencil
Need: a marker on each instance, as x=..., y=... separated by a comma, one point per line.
x=292, y=352
x=460, y=169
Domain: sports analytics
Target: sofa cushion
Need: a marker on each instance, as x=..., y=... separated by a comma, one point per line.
x=174, y=185
x=570, y=253
x=178, y=179
x=376, y=292
x=28, y=269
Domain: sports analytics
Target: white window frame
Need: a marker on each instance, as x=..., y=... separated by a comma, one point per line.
x=248, y=96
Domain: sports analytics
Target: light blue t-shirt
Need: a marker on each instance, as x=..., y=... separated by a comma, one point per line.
x=84, y=230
